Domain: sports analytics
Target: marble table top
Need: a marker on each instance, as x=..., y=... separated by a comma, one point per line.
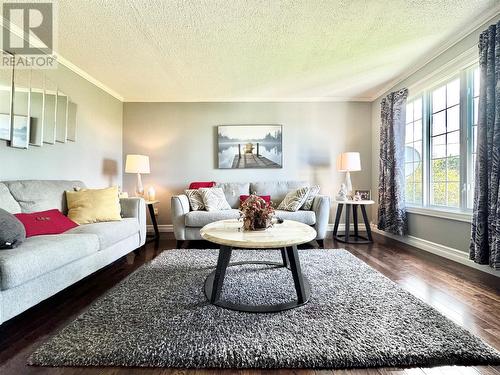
x=231, y=233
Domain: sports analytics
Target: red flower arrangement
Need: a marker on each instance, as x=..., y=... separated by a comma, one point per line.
x=257, y=214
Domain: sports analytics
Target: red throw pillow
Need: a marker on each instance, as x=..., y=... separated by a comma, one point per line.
x=267, y=198
x=197, y=185
x=45, y=222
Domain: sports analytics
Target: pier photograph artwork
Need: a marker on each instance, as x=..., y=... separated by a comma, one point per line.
x=250, y=146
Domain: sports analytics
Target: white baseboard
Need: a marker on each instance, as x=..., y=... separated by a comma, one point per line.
x=163, y=228
x=438, y=249
x=431, y=247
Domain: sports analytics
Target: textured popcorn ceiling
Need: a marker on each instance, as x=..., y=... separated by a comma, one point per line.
x=212, y=50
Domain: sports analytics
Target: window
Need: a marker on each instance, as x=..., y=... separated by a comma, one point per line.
x=413, y=152
x=441, y=132
x=445, y=145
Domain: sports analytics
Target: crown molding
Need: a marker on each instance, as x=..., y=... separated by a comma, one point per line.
x=458, y=36
x=82, y=73
x=319, y=99
x=16, y=30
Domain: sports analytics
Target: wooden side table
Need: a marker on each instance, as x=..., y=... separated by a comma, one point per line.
x=151, y=209
x=347, y=237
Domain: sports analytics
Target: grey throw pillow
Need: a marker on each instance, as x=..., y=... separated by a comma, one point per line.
x=313, y=191
x=294, y=199
x=195, y=199
x=12, y=232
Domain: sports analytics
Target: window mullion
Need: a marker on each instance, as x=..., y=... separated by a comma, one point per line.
x=426, y=105
x=464, y=133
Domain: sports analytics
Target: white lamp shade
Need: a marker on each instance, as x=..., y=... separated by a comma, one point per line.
x=137, y=164
x=348, y=162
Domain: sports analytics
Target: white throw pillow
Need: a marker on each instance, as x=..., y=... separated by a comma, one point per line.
x=195, y=199
x=313, y=191
x=294, y=199
x=214, y=199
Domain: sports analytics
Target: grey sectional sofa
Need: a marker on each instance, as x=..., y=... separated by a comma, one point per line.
x=43, y=265
x=187, y=223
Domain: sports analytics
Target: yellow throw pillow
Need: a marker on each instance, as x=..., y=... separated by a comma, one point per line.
x=93, y=205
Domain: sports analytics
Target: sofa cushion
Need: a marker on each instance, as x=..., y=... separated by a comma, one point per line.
x=195, y=199
x=12, y=232
x=313, y=191
x=7, y=201
x=41, y=195
x=201, y=184
x=276, y=189
x=305, y=217
x=45, y=222
x=294, y=199
x=109, y=232
x=233, y=190
x=214, y=199
x=41, y=254
x=88, y=206
x=199, y=219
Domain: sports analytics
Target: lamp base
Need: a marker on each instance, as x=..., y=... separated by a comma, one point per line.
x=139, y=189
x=348, y=184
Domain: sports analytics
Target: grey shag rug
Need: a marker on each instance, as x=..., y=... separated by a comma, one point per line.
x=356, y=317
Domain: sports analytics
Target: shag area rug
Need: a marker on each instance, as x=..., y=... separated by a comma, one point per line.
x=356, y=317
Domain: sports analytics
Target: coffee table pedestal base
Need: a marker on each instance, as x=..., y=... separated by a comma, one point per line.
x=214, y=282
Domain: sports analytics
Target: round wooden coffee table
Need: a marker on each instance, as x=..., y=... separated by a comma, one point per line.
x=285, y=237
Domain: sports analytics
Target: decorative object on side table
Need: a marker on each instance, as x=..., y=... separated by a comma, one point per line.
x=365, y=195
x=348, y=162
x=151, y=193
x=137, y=164
x=256, y=213
x=342, y=194
x=347, y=237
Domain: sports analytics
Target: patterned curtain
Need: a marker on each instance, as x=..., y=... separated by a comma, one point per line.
x=485, y=241
x=391, y=191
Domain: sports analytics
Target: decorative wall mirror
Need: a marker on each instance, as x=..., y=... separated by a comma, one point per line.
x=20, y=109
x=6, y=77
x=36, y=108
x=49, y=112
x=61, y=117
x=71, y=121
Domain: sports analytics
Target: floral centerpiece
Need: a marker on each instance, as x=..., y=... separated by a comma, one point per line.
x=257, y=214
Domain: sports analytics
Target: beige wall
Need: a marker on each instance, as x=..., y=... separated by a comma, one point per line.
x=452, y=233
x=96, y=157
x=180, y=139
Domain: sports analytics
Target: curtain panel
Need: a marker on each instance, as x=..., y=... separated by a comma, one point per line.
x=485, y=239
x=391, y=186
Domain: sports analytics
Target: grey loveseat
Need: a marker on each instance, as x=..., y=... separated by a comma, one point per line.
x=187, y=223
x=43, y=265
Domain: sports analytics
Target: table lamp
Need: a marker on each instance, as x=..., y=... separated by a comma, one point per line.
x=348, y=162
x=137, y=164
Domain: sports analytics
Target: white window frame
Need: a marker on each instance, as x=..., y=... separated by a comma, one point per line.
x=421, y=118
x=423, y=89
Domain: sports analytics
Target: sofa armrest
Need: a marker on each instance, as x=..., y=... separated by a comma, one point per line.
x=135, y=207
x=179, y=208
x=321, y=207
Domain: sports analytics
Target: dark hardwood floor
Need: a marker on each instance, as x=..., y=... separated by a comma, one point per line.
x=469, y=297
